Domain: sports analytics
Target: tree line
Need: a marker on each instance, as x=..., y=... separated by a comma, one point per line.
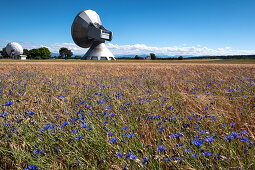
x=152, y=56
x=42, y=53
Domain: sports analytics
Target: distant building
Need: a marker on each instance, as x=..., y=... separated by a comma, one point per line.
x=147, y=58
x=22, y=57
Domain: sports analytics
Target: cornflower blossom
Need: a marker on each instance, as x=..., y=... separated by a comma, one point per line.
x=160, y=129
x=31, y=167
x=145, y=161
x=131, y=135
x=31, y=113
x=197, y=142
x=64, y=124
x=210, y=139
x=113, y=140
x=161, y=148
x=176, y=135
x=9, y=103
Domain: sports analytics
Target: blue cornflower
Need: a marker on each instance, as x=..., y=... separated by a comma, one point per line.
x=9, y=103
x=78, y=137
x=194, y=155
x=244, y=132
x=206, y=108
x=210, y=138
x=56, y=117
x=48, y=127
x=234, y=134
x=179, y=159
x=31, y=167
x=118, y=154
x=187, y=150
x=64, y=124
x=197, y=142
x=213, y=118
x=128, y=155
x=228, y=138
x=202, y=131
x=125, y=127
x=110, y=134
x=38, y=151
x=5, y=114
x=125, y=133
x=131, y=135
x=113, y=140
x=232, y=123
x=133, y=157
x=161, y=148
x=161, y=128
x=244, y=139
x=206, y=153
x=217, y=156
x=176, y=135
x=31, y=113
x=74, y=131
x=145, y=161
x=84, y=125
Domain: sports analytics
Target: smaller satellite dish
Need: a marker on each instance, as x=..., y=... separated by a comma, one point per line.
x=87, y=31
x=14, y=49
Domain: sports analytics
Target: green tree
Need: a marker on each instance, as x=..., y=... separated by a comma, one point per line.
x=39, y=53
x=25, y=52
x=65, y=53
x=153, y=56
x=4, y=53
x=180, y=58
x=44, y=53
x=77, y=57
x=137, y=57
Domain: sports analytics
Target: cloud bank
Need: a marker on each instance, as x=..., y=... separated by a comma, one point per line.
x=142, y=49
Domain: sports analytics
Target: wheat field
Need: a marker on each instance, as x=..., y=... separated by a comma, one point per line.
x=127, y=115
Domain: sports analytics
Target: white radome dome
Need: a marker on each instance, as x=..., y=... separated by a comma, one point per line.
x=14, y=49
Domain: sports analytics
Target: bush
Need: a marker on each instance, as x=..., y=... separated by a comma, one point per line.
x=153, y=56
x=180, y=58
x=137, y=57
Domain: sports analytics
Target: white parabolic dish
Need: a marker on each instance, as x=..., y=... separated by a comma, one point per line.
x=14, y=49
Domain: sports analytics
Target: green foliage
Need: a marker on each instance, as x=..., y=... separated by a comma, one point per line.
x=138, y=57
x=180, y=58
x=153, y=56
x=65, y=53
x=25, y=52
x=39, y=53
x=77, y=57
x=44, y=53
x=4, y=53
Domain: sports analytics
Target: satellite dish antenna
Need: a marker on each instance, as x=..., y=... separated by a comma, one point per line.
x=88, y=31
x=14, y=49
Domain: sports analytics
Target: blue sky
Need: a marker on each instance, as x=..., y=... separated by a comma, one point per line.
x=166, y=27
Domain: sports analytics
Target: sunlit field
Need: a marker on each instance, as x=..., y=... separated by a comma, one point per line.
x=127, y=115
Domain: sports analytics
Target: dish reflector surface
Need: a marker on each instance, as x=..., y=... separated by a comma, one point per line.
x=14, y=49
x=80, y=27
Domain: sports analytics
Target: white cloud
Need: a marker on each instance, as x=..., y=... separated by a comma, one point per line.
x=174, y=50
x=140, y=49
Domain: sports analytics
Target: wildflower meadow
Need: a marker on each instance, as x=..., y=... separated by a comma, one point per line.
x=127, y=115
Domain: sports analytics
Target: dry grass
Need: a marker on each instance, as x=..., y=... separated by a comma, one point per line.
x=189, y=87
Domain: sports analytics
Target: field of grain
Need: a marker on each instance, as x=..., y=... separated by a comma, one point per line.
x=127, y=115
